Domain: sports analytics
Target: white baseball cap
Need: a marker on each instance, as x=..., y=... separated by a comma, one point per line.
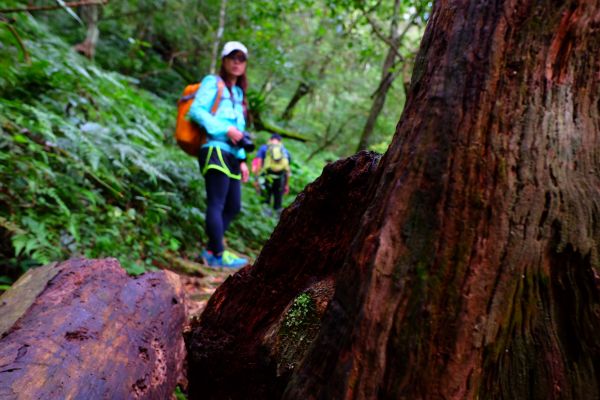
x=230, y=47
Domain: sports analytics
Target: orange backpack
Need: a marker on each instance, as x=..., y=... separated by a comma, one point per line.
x=189, y=135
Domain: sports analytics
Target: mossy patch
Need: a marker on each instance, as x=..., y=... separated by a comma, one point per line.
x=290, y=338
x=300, y=313
x=299, y=328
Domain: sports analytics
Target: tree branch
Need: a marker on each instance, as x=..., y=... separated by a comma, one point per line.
x=261, y=125
x=18, y=39
x=392, y=75
x=329, y=140
x=392, y=42
x=378, y=30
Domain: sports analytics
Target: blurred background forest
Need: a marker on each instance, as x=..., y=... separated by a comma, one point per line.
x=88, y=163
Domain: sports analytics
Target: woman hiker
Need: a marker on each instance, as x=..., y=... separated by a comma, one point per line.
x=223, y=158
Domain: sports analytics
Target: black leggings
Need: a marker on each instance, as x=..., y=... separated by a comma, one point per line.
x=223, y=202
x=275, y=185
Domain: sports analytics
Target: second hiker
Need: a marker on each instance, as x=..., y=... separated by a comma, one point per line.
x=272, y=162
x=223, y=158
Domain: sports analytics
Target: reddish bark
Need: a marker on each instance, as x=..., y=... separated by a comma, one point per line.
x=475, y=272
x=483, y=276
x=84, y=329
x=234, y=351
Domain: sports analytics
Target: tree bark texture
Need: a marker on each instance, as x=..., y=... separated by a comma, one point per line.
x=247, y=342
x=475, y=270
x=478, y=271
x=84, y=329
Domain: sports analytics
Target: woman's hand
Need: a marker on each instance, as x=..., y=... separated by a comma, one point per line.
x=245, y=172
x=234, y=134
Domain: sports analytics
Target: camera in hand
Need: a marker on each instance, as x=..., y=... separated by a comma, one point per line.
x=246, y=142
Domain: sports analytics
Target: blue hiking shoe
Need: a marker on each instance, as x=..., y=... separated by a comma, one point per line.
x=203, y=257
x=205, y=254
x=226, y=260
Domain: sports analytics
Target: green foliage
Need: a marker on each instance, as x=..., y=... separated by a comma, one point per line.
x=300, y=313
x=88, y=166
x=178, y=394
x=4, y=283
x=326, y=43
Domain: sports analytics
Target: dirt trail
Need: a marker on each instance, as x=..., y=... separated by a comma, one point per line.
x=199, y=281
x=199, y=289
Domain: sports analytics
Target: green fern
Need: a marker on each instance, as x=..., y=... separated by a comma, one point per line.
x=88, y=166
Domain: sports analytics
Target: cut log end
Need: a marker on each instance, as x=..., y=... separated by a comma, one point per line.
x=84, y=329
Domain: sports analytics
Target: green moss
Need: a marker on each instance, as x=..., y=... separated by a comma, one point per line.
x=300, y=313
x=299, y=328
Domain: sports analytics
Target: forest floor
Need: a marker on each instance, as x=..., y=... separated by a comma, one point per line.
x=199, y=282
x=198, y=289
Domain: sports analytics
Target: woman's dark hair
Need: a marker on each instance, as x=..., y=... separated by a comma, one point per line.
x=242, y=82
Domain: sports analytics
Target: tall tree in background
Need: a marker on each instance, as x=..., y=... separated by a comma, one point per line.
x=391, y=65
x=474, y=271
x=306, y=85
x=89, y=14
x=309, y=79
x=219, y=35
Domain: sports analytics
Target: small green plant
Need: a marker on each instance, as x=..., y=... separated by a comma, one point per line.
x=178, y=394
x=300, y=312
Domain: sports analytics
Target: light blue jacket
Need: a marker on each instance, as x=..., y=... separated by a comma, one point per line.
x=230, y=113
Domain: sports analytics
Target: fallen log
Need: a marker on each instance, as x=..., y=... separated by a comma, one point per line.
x=84, y=329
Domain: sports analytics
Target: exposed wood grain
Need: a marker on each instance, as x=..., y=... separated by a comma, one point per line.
x=92, y=332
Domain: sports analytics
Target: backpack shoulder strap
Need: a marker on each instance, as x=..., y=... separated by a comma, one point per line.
x=220, y=86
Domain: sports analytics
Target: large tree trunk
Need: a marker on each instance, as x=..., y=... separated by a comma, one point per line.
x=84, y=329
x=475, y=271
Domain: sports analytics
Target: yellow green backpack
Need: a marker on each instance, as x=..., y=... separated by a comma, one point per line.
x=275, y=159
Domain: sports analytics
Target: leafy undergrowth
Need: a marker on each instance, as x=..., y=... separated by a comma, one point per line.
x=88, y=166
